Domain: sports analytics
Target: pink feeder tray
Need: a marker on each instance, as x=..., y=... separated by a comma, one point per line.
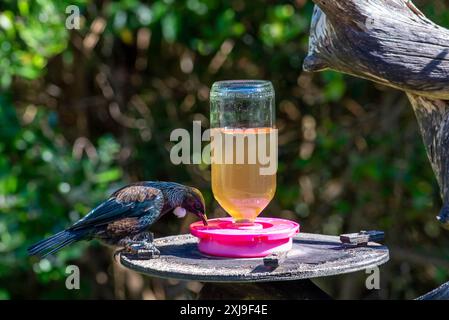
x=222, y=237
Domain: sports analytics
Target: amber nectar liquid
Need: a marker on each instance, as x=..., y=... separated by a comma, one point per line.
x=239, y=182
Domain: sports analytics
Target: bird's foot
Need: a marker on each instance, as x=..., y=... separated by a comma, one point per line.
x=141, y=250
x=144, y=236
x=140, y=247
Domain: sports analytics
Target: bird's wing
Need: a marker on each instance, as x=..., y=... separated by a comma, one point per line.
x=130, y=201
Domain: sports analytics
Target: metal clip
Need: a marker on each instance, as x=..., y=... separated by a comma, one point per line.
x=363, y=237
x=273, y=260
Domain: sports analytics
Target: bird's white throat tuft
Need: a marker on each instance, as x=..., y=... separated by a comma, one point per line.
x=180, y=212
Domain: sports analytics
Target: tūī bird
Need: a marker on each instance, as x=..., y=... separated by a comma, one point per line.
x=123, y=219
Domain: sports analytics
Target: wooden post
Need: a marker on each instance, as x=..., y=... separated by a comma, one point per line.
x=391, y=42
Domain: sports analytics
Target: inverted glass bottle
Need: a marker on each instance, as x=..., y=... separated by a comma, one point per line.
x=244, y=147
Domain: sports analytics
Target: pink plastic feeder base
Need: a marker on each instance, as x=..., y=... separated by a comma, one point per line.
x=222, y=237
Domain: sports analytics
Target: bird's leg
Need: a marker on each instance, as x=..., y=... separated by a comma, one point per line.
x=140, y=246
x=144, y=236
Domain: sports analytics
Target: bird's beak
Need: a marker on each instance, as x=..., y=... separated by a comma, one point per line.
x=200, y=215
x=203, y=218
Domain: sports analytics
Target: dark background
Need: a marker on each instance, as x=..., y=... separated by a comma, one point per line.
x=85, y=111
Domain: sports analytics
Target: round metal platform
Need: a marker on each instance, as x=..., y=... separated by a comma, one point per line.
x=312, y=256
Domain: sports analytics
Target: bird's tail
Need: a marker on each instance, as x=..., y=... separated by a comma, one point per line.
x=55, y=243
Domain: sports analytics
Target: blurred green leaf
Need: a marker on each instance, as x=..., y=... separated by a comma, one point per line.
x=170, y=27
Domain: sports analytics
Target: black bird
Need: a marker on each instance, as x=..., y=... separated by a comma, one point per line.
x=123, y=220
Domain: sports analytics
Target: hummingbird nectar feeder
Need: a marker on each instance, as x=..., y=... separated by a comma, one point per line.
x=249, y=249
x=223, y=237
x=243, y=164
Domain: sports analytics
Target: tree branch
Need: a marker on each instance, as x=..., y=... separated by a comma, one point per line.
x=389, y=42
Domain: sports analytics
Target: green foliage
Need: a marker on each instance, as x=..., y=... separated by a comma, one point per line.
x=30, y=34
x=43, y=187
x=282, y=24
